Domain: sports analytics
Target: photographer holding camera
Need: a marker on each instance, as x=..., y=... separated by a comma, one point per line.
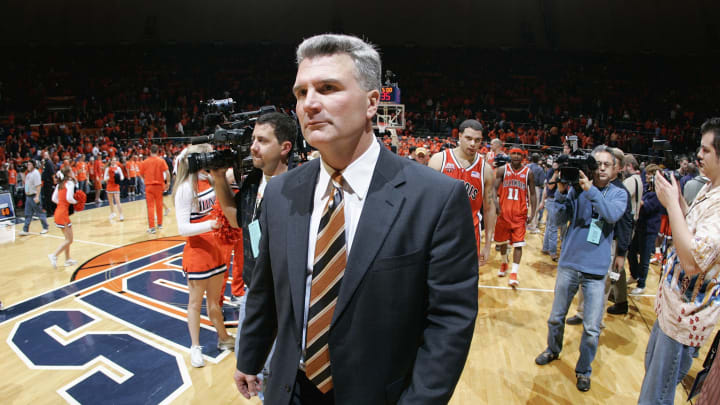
x=592, y=207
x=687, y=304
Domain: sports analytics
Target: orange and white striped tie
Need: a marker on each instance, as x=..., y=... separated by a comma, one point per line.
x=328, y=271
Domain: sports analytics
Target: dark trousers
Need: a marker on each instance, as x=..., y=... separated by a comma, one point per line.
x=641, y=248
x=46, y=193
x=305, y=393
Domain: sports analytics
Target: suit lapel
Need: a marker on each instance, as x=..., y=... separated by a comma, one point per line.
x=383, y=202
x=298, y=230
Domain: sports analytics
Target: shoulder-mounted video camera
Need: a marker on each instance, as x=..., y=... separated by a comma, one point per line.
x=232, y=132
x=501, y=160
x=571, y=165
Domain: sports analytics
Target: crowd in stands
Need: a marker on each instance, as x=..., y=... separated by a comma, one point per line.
x=601, y=98
x=117, y=101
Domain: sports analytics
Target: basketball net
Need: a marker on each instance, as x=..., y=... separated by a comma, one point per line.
x=381, y=127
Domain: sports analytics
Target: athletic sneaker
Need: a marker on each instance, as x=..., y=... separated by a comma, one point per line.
x=196, y=356
x=151, y=230
x=122, y=218
x=53, y=260
x=43, y=232
x=166, y=212
x=503, y=270
x=111, y=216
x=235, y=301
x=657, y=258
x=227, y=344
x=70, y=262
x=637, y=291
x=23, y=233
x=513, y=281
x=160, y=227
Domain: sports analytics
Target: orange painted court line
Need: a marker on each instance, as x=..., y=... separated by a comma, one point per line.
x=124, y=254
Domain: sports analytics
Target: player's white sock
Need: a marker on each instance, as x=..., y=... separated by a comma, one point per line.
x=515, y=267
x=657, y=250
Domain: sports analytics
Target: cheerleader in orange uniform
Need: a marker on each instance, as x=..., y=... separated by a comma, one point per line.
x=113, y=172
x=63, y=196
x=204, y=258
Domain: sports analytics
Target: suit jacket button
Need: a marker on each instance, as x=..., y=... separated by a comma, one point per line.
x=287, y=388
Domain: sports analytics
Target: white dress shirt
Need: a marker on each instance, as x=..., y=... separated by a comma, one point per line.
x=357, y=177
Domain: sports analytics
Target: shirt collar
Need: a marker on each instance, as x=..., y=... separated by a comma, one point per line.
x=705, y=192
x=357, y=175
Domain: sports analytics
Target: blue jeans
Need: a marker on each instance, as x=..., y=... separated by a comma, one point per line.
x=140, y=187
x=551, y=228
x=265, y=373
x=33, y=208
x=566, y=286
x=643, y=245
x=666, y=363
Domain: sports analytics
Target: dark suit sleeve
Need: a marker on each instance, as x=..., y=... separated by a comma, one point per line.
x=623, y=229
x=260, y=325
x=452, y=277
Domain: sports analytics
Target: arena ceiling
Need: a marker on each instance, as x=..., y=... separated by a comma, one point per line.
x=665, y=26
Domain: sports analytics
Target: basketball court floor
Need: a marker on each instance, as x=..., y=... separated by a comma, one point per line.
x=113, y=328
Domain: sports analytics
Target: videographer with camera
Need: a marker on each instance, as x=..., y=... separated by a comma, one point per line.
x=618, y=251
x=592, y=207
x=688, y=299
x=272, y=144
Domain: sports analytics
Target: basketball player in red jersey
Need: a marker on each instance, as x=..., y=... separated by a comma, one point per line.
x=513, y=184
x=465, y=164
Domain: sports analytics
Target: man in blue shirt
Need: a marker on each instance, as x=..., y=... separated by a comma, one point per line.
x=592, y=207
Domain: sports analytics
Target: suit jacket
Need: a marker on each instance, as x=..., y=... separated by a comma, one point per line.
x=406, y=309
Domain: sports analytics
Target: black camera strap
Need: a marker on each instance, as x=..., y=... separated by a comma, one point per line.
x=258, y=208
x=604, y=192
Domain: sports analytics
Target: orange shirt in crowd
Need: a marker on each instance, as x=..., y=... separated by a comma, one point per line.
x=98, y=168
x=133, y=169
x=81, y=171
x=152, y=170
x=12, y=177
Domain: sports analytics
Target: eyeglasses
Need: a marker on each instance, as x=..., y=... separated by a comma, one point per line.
x=605, y=164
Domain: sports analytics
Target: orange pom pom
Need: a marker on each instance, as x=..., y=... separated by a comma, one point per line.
x=226, y=234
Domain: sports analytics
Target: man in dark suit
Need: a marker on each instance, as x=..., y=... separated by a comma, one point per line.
x=394, y=320
x=48, y=179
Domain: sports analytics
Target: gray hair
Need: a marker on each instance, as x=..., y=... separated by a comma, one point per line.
x=607, y=149
x=368, y=67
